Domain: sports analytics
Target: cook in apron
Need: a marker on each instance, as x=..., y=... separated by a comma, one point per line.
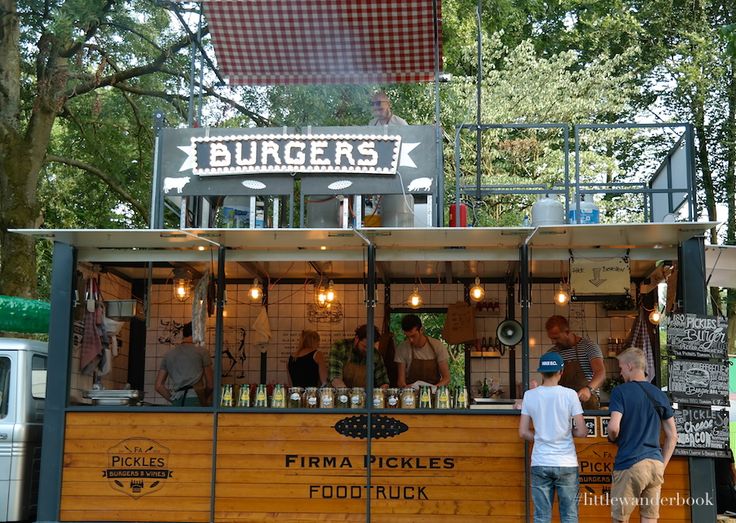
x=353, y=374
x=423, y=370
x=574, y=378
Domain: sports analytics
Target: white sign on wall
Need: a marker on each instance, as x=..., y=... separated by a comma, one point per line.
x=603, y=276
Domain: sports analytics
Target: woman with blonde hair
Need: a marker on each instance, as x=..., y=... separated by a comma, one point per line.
x=307, y=365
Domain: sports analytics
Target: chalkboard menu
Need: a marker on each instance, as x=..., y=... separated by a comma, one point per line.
x=696, y=336
x=699, y=382
x=701, y=432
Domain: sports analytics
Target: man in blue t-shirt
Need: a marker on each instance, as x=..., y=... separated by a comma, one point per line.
x=638, y=471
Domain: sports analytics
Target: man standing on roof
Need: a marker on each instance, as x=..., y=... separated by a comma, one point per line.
x=381, y=109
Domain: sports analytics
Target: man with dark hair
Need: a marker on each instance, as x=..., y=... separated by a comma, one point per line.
x=348, y=357
x=557, y=416
x=185, y=376
x=419, y=357
x=638, y=410
x=584, y=368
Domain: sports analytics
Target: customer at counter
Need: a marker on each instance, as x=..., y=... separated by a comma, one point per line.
x=185, y=376
x=347, y=361
x=638, y=410
x=584, y=369
x=307, y=366
x=381, y=110
x=557, y=416
x=419, y=357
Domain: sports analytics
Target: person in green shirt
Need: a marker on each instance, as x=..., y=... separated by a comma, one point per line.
x=347, y=361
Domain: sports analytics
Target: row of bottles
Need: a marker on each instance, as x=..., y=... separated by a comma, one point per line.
x=328, y=397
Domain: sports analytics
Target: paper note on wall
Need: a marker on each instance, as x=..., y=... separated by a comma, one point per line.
x=602, y=276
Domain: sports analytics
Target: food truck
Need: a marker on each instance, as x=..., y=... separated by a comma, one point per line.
x=114, y=450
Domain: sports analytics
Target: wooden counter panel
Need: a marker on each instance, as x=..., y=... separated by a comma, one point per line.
x=137, y=467
x=447, y=466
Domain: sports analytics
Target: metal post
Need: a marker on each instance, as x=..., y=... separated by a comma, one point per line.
x=693, y=294
x=57, y=388
x=370, y=320
x=156, y=220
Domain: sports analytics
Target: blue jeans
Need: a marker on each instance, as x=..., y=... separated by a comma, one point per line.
x=545, y=480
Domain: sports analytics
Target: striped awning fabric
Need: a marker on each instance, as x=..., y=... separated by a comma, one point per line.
x=271, y=42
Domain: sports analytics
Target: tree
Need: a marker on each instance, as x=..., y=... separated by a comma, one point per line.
x=79, y=81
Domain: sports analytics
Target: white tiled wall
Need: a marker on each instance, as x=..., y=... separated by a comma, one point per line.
x=289, y=314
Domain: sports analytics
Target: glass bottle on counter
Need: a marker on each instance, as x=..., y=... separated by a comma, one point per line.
x=379, y=398
x=261, y=396
x=278, y=398
x=326, y=397
x=485, y=391
x=311, y=400
x=392, y=398
x=295, y=397
x=357, y=398
x=342, y=398
x=408, y=398
x=425, y=398
x=226, y=400
x=244, y=395
x=443, y=397
x=461, y=398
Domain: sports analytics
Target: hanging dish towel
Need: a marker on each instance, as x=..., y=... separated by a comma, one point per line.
x=91, y=352
x=261, y=330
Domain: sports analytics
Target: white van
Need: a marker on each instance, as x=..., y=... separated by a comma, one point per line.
x=22, y=396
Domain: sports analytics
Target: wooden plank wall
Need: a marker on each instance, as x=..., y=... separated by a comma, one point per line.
x=134, y=446
x=299, y=468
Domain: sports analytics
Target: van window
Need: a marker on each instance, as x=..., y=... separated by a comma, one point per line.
x=4, y=385
x=38, y=377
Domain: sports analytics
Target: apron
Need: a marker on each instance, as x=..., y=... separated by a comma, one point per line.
x=353, y=374
x=574, y=378
x=423, y=370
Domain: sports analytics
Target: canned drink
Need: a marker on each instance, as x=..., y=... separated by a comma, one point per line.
x=461, y=398
x=425, y=398
x=357, y=398
x=393, y=398
x=226, y=399
x=261, y=396
x=244, y=395
x=408, y=398
x=379, y=399
x=278, y=398
x=295, y=397
x=310, y=398
x=342, y=398
x=327, y=397
x=443, y=398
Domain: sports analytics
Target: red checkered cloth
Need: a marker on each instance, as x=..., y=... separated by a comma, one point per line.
x=267, y=42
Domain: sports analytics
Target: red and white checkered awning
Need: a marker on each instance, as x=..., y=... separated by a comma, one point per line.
x=270, y=42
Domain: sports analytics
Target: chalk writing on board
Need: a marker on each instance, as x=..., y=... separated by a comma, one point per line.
x=701, y=432
x=698, y=382
x=696, y=336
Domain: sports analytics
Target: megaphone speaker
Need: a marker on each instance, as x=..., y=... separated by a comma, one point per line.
x=509, y=332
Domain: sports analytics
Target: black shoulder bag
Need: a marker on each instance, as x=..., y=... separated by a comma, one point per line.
x=659, y=409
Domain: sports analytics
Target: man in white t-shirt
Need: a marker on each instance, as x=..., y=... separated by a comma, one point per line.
x=557, y=416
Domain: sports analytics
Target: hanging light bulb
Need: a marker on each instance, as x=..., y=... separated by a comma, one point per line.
x=330, y=293
x=321, y=296
x=655, y=316
x=256, y=290
x=562, y=297
x=477, y=292
x=415, y=299
x=182, y=284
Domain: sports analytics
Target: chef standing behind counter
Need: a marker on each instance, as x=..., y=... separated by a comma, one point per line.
x=419, y=357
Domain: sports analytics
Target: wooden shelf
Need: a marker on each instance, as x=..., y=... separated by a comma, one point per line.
x=488, y=354
x=623, y=314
